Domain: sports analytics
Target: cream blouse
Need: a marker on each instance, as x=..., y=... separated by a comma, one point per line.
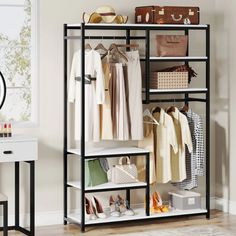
x=183, y=134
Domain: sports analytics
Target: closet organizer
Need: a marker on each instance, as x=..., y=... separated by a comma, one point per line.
x=80, y=32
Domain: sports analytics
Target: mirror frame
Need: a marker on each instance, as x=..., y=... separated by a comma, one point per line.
x=4, y=89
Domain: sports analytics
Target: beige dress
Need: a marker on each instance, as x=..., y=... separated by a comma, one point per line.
x=106, y=121
x=178, y=164
x=165, y=142
x=147, y=143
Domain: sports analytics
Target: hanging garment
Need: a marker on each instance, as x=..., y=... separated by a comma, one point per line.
x=106, y=121
x=119, y=111
x=94, y=94
x=164, y=139
x=135, y=95
x=195, y=161
x=178, y=164
x=148, y=144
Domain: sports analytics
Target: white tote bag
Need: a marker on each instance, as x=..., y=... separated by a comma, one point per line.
x=123, y=173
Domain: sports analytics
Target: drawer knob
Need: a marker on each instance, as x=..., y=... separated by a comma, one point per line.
x=7, y=152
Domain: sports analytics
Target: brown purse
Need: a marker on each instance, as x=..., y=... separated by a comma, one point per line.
x=172, y=45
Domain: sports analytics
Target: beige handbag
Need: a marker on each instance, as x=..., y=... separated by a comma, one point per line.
x=123, y=173
x=172, y=45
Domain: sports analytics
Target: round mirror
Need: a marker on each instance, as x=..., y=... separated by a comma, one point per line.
x=3, y=90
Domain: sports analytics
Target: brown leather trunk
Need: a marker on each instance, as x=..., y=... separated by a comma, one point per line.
x=167, y=15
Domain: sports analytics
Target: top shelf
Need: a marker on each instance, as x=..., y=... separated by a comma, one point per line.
x=138, y=26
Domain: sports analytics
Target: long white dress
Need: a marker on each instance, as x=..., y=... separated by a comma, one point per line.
x=94, y=94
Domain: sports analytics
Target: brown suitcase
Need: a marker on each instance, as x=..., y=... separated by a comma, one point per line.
x=167, y=15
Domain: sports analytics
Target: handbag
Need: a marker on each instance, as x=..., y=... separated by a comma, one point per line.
x=123, y=173
x=172, y=45
x=94, y=173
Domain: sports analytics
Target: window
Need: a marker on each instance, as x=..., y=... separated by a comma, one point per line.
x=18, y=60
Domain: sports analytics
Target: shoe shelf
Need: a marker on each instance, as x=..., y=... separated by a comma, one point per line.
x=139, y=215
x=109, y=152
x=188, y=59
x=107, y=186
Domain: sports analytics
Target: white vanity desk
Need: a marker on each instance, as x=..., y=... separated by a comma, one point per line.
x=18, y=149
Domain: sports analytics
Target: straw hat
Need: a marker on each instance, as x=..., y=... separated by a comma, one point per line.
x=105, y=14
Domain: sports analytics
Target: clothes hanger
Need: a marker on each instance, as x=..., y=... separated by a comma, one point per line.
x=116, y=49
x=185, y=108
x=100, y=46
x=171, y=108
x=113, y=47
x=156, y=110
x=87, y=46
x=133, y=46
x=149, y=114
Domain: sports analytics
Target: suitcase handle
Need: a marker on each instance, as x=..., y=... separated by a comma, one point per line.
x=177, y=19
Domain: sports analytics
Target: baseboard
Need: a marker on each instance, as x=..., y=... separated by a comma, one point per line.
x=225, y=205
x=56, y=217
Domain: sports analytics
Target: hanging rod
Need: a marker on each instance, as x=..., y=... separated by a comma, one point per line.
x=106, y=37
x=175, y=100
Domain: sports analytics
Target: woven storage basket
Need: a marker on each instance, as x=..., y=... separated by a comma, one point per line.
x=169, y=80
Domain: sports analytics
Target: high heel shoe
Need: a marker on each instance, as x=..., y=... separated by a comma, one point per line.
x=98, y=208
x=124, y=207
x=89, y=210
x=114, y=207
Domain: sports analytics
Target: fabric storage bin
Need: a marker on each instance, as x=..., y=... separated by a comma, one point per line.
x=172, y=45
x=169, y=80
x=185, y=200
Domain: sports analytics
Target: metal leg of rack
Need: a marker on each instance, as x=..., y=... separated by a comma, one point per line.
x=186, y=32
x=148, y=186
x=128, y=42
x=65, y=125
x=208, y=122
x=82, y=127
x=147, y=67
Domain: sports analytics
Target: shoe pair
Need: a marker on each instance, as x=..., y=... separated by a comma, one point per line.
x=119, y=207
x=156, y=204
x=93, y=209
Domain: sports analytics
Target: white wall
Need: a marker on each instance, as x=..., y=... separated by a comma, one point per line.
x=226, y=110
x=49, y=169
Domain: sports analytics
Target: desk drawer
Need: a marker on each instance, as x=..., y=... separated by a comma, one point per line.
x=18, y=151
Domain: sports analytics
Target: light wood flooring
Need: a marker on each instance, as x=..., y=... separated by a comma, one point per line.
x=218, y=218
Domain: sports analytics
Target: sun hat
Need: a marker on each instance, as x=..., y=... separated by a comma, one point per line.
x=104, y=14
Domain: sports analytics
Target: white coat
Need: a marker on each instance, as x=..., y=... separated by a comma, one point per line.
x=94, y=94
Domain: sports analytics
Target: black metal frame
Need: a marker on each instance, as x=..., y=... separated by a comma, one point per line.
x=17, y=227
x=5, y=217
x=147, y=94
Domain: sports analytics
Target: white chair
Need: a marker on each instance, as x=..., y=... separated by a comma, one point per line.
x=4, y=203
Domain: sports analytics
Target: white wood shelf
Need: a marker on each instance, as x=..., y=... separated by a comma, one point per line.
x=139, y=215
x=96, y=152
x=197, y=90
x=175, y=58
x=109, y=185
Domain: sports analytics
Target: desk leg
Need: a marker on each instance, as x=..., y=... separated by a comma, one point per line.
x=17, y=195
x=5, y=219
x=32, y=198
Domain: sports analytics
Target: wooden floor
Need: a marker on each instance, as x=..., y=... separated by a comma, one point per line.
x=219, y=219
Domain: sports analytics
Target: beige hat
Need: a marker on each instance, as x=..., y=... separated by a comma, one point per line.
x=105, y=14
